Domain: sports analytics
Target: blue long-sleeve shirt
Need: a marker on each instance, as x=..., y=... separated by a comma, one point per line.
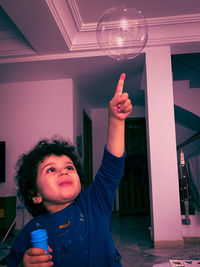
x=80, y=233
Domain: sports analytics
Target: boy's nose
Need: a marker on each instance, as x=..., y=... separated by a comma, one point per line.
x=63, y=172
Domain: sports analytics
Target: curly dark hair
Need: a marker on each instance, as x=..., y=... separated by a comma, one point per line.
x=27, y=166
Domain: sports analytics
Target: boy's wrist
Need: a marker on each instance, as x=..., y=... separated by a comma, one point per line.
x=115, y=121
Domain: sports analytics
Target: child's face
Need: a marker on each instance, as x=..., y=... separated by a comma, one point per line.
x=58, y=182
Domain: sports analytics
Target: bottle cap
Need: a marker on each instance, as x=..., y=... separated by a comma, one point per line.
x=38, y=235
x=39, y=239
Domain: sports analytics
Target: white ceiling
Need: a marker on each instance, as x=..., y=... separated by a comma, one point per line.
x=91, y=11
x=56, y=39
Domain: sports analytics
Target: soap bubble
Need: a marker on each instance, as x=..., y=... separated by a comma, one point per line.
x=122, y=32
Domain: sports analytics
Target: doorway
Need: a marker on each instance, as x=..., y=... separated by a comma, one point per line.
x=87, y=140
x=134, y=187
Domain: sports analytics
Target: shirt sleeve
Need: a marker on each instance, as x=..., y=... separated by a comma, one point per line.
x=20, y=245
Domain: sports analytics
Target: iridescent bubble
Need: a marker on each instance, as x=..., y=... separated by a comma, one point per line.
x=122, y=32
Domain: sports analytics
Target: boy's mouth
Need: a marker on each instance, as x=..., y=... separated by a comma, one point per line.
x=65, y=183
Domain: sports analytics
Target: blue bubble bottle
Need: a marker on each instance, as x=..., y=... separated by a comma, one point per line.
x=39, y=239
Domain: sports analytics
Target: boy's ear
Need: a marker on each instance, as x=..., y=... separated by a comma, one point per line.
x=37, y=199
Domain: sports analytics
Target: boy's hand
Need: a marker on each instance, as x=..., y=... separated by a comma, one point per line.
x=37, y=257
x=120, y=106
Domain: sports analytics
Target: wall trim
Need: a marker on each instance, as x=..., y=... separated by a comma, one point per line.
x=169, y=244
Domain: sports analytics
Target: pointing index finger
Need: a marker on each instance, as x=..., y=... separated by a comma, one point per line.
x=120, y=84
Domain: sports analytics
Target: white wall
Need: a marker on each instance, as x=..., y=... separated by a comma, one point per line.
x=184, y=96
x=99, y=131
x=161, y=147
x=79, y=105
x=30, y=111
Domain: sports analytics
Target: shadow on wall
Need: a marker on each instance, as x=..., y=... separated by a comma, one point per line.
x=186, y=118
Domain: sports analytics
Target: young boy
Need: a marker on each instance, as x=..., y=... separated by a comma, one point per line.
x=77, y=222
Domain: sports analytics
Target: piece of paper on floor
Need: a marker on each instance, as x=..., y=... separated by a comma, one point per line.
x=184, y=263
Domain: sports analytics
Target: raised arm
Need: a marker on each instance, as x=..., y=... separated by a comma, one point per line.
x=119, y=108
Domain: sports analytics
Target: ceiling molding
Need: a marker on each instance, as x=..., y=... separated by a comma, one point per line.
x=49, y=57
x=7, y=35
x=39, y=23
x=55, y=11
x=75, y=14
x=170, y=41
x=156, y=27
x=13, y=45
x=169, y=20
x=170, y=33
x=81, y=39
x=151, y=22
x=192, y=18
x=14, y=52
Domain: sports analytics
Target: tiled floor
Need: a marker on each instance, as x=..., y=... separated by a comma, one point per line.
x=4, y=248
x=132, y=239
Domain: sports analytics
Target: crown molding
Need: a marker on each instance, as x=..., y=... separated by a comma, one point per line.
x=167, y=31
x=60, y=56
x=172, y=20
x=13, y=45
x=84, y=35
x=56, y=11
x=81, y=38
x=161, y=30
x=14, y=52
x=7, y=35
x=169, y=20
x=153, y=22
x=75, y=14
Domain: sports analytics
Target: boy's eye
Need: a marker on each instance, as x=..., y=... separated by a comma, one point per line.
x=51, y=170
x=70, y=167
